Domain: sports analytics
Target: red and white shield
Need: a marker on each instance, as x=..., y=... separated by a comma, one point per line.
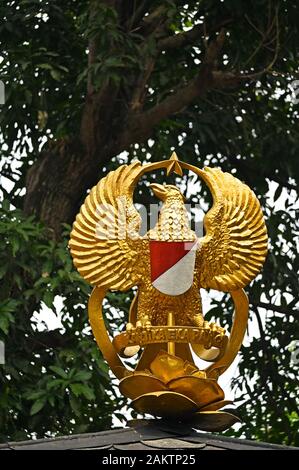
x=172, y=266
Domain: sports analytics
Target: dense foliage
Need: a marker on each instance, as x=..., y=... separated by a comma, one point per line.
x=86, y=81
x=52, y=381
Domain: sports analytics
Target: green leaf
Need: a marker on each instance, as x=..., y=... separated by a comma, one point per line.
x=15, y=243
x=9, y=306
x=277, y=193
x=3, y=270
x=77, y=389
x=51, y=400
x=4, y=324
x=75, y=405
x=56, y=74
x=37, y=406
x=48, y=298
x=45, y=66
x=5, y=205
x=35, y=395
x=82, y=376
x=57, y=383
x=59, y=371
x=85, y=390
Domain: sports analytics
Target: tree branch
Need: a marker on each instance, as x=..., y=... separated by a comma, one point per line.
x=195, y=88
x=188, y=37
x=274, y=308
x=92, y=52
x=140, y=125
x=243, y=166
x=153, y=27
x=92, y=48
x=150, y=22
x=276, y=51
x=225, y=80
x=140, y=88
x=181, y=39
x=93, y=41
x=175, y=41
x=137, y=16
x=53, y=339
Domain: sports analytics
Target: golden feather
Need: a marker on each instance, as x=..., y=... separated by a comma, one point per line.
x=105, y=237
x=234, y=248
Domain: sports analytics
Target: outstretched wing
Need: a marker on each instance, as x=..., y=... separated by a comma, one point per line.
x=104, y=240
x=234, y=248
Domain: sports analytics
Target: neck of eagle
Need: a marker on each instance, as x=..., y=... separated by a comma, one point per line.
x=173, y=223
x=173, y=207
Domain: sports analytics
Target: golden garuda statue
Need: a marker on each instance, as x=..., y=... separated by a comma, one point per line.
x=168, y=266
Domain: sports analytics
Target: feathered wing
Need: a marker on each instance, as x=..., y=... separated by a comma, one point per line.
x=234, y=248
x=104, y=241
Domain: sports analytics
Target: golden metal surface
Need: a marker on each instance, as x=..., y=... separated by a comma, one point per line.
x=236, y=337
x=167, y=367
x=171, y=342
x=202, y=391
x=140, y=383
x=110, y=253
x=212, y=421
x=204, y=337
x=100, y=333
x=215, y=406
x=165, y=404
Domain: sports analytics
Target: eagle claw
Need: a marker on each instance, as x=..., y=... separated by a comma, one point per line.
x=143, y=322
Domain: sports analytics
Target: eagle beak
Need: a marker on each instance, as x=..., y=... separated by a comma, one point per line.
x=159, y=190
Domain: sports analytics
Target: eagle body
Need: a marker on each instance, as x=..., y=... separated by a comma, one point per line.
x=173, y=225
x=156, y=306
x=109, y=252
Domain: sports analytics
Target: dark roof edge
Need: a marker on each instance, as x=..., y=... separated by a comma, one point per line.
x=136, y=434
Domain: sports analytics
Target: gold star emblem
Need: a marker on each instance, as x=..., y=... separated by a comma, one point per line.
x=174, y=165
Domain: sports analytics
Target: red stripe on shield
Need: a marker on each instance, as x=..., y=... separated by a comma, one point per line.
x=166, y=254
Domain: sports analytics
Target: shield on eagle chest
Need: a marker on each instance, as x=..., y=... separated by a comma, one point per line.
x=172, y=266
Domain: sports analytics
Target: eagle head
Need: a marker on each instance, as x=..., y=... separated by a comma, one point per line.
x=166, y=192
x=173, y=223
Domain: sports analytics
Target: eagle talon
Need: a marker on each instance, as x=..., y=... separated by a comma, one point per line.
x=143, y=322
x=196, y=320
x=129, y=326
x=217, y=328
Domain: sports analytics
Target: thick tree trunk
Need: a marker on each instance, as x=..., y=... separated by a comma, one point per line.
x=56, y=183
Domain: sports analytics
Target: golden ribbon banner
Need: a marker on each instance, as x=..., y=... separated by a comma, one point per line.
x=214, y=370
x=142, y=336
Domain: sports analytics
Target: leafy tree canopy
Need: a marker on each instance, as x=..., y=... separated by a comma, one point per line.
x=86, y=81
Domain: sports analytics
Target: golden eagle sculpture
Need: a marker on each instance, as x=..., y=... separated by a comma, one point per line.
x=168, y=266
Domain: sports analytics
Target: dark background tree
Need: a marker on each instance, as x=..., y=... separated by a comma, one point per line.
x=86, y=81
